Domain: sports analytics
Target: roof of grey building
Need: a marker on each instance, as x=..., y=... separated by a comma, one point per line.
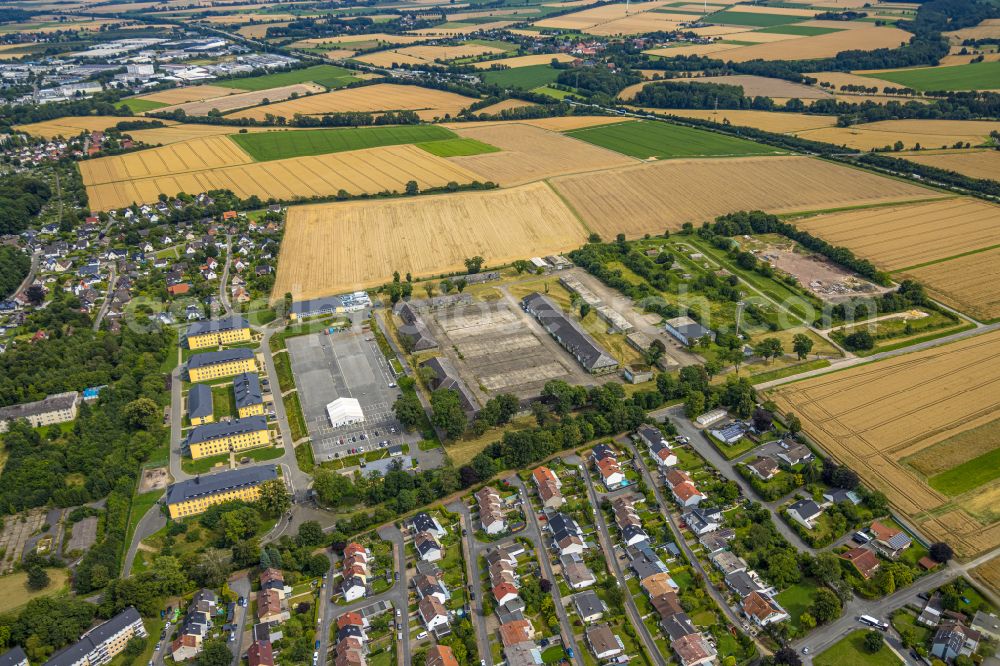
x=246, y=386
x=13, y=657
x=216, y=326
x=688, y=327
x=200, y=401
x=569, y=333
x=224, y=356
x=202, y=486
x=210, y=431
x=53, y=403
x=588, y=603
x=446, y=377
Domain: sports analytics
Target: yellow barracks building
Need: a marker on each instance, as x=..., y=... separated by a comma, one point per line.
x=215, y=332
x=249, y=399
x=212, y=365
x=191, y=497
x=217, y=438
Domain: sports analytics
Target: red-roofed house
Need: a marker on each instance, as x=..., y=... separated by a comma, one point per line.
x=504, y=592
x=864, y=560
x=441, y=655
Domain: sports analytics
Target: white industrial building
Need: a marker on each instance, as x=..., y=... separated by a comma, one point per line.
x=345, y=411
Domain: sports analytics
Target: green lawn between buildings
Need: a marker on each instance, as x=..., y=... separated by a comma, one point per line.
x=644, y=140
x=851, y=650
x=330, y=76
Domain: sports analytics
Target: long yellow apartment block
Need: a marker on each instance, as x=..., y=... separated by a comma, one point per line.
x=217, y=438
x=225, y=363
x=215, y=332
x=194, y=496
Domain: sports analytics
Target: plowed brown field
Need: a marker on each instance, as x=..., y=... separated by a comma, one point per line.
x=871, y=416
x=652, y=197
x=901, y=236
x=333, y=248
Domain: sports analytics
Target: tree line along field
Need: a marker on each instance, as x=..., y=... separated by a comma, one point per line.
x=972, y=163
x=280, y=145
x=644, y=199
x=974, y=76
x=660, y=140
x=329, y=76
x=243, y=100
x=338, y=247
x=878, y=418
x=900, y=237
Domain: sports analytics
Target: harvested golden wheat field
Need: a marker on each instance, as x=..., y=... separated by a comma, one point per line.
x=769, y=121
x=524, y=61
x=898, y=237
x=186, y=132
x=441, y=31
x=259, y=30
x=838, y=79
x=872, y=416
x=361, y=171
x=333, y=248
x=505, y=105
x=694, y=49
x=972, y=163
x=926, y=133
x=189, y=94
x=245, y=99
x=378, y=97
x=194, y=155
x=73, y=125
x=652, y=197
x=956, y=450
x=529, y=153
x=555, y=123
x=615, y=19
x=988, y=29
x=381, y=37
x=968, y=284
x=989, y=574
x=821, y=46
x=425, y=55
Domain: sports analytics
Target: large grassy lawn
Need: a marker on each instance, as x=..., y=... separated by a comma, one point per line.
x=969, y=475
x=851, y=650
x=644, y=139
x=526, y=78
x=140, y=105
x=974, y=76
x=14, y=590
x=266, y=146
x=797, y=599
x=330, y=76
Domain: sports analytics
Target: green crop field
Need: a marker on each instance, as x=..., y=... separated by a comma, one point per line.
x=662, y=140
x=266, y=146
x=141, y=105
x=457, y=147
x=521, y=77
x=974, y=76
x=330, y=76
x=757, y=20
x=804, y=30
x=969, y=475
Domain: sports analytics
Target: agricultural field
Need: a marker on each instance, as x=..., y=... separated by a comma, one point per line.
x=245, y=100
x=140, y=106
x=966, y=283
x=985, y=30
x=769, y=121
x=524, y=61
x=194, y=155
x=659, y=140
x=281, y=145
x=373, y=38
x=378, y=97
x=529, y=153
x=899, y=237
x=757, y=19
x=820, y=46
x=187, y=94
x=457, y=147
x=555, y=124
x=912, y=133
x=332, y=248
x=874, y=417
x=356, y=172
x=526, y=78
x=753, y=86
x=505, y=105
x=425, y=55
x=643, y=199
x=617, y=19
x=73, y=125
x=975, y=164
x=186, y=132
x=974, y=76
x=989, y=573
x=459, y=29
x=329, y=76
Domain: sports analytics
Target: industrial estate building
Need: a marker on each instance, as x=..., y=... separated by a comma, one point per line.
x=191, y=497
x=215, y=332
x=214, y=439
x=57, y=408
x=569, y=334
x=225, y=363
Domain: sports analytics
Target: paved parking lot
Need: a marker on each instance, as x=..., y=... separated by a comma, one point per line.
x=346, y=364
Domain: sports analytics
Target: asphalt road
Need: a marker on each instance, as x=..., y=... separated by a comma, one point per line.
x=635, y=617
x=241, y=586
x=534, y=532
x=471, y=553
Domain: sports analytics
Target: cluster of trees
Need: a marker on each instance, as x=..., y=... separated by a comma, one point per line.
x=21, y=199
x=694, y=95
x=14, y=267
x=908, y=295
x=46, y=624
x=598, y=80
